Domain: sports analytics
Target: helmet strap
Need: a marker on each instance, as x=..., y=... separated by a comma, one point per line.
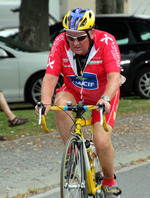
x=66, y=40
x=90, y=40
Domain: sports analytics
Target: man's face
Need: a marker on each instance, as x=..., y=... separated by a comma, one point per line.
x=79, y=41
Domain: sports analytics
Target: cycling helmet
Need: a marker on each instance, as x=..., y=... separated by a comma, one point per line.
x=79, y=20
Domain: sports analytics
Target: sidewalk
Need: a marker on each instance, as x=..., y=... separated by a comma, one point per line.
x=34, y=162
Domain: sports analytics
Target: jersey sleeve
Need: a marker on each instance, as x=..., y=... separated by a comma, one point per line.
x=111, y=54
x=54, y=63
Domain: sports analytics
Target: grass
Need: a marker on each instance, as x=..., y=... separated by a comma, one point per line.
x=126, y=107
x=31, y=192
x=31, y=128
x=134, y=162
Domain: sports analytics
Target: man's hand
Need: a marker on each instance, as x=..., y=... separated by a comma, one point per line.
x=37, y=109
x=46, y=106
x=106, y=104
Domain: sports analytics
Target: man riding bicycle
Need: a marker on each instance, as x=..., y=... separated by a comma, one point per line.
x=89, y=60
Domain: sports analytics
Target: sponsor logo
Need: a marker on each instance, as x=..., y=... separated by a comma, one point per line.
x=97, y=58
x=55, y=44
x=87, y=81
x=95, y=62
x=106, y=39
x=115, y=53
x=66, y=65
x=50, y=64
x=65, y=60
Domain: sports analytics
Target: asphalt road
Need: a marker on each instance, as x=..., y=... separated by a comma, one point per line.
x=34, y=162
x=134, y=182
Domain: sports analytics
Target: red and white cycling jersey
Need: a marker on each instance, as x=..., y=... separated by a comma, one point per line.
x=104, y=58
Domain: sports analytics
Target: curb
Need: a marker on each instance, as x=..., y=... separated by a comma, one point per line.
x=121, y=164
x=52, y=193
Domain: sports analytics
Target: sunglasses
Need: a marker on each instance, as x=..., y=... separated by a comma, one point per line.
x=78, y=38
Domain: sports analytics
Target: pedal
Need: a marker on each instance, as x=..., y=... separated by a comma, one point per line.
x=117, y=191
x=98, y=177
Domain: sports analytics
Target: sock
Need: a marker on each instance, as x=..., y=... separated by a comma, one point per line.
x=108, y=182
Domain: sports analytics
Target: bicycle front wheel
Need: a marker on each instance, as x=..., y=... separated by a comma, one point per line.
x=73, y=173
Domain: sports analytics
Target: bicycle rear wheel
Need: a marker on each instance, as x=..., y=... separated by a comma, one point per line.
x=73, y=173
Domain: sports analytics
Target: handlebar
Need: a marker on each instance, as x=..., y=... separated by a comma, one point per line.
x=78, y=108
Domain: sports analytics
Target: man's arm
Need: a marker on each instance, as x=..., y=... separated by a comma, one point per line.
x=48, y=85
x=113, y=83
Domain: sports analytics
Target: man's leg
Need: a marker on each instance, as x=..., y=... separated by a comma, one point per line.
x=12, y=119
x=4, y=106
x=63, y=121
x=105, y=151
x=104, y=148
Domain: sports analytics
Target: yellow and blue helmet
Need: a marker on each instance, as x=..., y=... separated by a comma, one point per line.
x=79, y=20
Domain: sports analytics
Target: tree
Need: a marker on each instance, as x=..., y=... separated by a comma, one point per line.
x=34, y=29
x=120, y=6
x=109, y=6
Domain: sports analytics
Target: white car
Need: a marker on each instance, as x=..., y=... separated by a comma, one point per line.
x=21, y=71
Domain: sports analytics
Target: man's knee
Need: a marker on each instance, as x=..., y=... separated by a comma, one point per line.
x=102, y=139
x=62, y=97
x=59, y=101
x=103, y=144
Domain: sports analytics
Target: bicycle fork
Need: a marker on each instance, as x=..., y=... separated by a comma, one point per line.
x=90, y=174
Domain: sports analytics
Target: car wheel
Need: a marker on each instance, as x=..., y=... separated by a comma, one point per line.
x=34, y=92
x=142, y=85
x=35, y=88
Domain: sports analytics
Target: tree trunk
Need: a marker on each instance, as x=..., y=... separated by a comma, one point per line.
x=34, y=29
x=109, y=6
x=120, y=6
x=105, y=7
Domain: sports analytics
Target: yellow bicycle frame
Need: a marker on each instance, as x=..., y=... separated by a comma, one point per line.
x=90, y=168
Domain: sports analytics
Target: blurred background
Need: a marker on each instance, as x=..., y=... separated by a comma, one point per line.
x=58, y=8
x=29, y=27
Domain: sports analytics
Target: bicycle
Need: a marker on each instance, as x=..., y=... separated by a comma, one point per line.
x=79, y=177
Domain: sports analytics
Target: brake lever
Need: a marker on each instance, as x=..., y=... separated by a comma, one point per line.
x=41, y=110
x=101, y=110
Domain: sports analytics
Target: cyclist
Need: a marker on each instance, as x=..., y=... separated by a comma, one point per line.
x=89, y=60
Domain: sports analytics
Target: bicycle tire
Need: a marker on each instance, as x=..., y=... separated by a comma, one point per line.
x=73, y=174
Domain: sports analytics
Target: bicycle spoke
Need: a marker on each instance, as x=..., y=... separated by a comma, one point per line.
x=71, y=172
